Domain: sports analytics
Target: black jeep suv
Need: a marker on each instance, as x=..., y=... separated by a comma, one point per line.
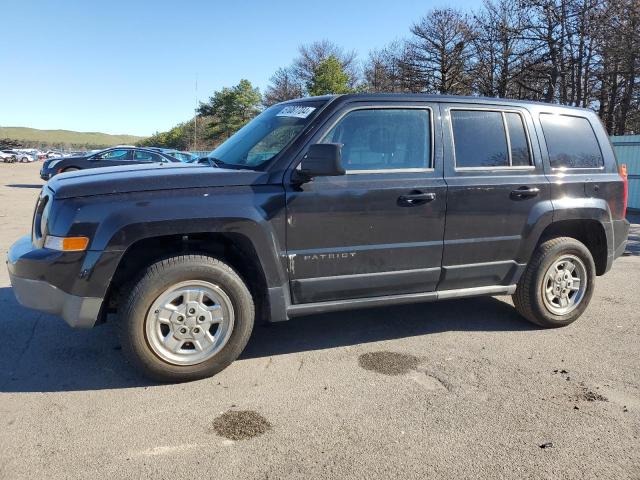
x=324, y=204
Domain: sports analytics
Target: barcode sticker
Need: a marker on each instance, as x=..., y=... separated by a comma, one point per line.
x=298, y=111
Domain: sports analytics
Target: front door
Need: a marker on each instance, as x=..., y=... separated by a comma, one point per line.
x=495, y=182
x=378, y=230
x=112, y=158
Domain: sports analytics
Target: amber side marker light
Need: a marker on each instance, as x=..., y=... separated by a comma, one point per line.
x=625, y=202
x=66, y=244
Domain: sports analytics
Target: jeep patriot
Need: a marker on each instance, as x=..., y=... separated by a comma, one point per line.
x=324, y=204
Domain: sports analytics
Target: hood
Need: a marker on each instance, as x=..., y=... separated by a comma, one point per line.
x=148, y=177
x=49, y=161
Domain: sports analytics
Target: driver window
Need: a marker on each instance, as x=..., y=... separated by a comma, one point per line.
x=383, y=139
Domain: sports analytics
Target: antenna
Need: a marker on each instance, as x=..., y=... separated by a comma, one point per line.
x=195, y=120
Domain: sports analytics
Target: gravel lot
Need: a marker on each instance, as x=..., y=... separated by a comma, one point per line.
x=456, y=389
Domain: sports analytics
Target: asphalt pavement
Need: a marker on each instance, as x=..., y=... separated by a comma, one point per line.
x=455, y=389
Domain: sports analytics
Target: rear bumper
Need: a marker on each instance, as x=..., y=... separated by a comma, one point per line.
x=620, y=233
x=32, y=270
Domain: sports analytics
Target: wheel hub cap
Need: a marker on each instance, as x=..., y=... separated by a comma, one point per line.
x=189, y=322
x=564, y=285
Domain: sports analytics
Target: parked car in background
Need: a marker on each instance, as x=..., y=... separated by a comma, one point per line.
x=21, y=155
x=53, y=154
x=185, y=157
x=7, y=156
x=104, y=158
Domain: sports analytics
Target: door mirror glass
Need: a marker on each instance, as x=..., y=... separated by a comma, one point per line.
x=322, y=160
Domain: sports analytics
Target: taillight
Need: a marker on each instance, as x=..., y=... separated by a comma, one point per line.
x=625, y=178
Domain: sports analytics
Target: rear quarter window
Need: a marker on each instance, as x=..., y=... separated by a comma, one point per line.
x=571, y=141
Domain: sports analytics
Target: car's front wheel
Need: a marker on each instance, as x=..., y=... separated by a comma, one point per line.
x=187, y=317
x=558, y=283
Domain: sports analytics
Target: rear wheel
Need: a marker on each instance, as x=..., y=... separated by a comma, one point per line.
x=187, y=317
x=558, y=283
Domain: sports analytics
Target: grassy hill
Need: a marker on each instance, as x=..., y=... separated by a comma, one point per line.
x=32, y=137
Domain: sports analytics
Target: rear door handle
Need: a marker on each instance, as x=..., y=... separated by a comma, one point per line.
x=415, y=198
x=523, y=193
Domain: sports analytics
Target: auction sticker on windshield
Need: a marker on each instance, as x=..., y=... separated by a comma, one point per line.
x=298, y=111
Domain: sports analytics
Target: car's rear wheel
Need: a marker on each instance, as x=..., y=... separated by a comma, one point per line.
x=187, y=317
x=558, y=283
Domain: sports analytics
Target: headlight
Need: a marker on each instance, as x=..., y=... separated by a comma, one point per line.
x=53, y=163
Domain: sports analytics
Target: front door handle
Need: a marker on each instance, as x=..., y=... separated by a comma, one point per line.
x=523, y=193
x=415, y=198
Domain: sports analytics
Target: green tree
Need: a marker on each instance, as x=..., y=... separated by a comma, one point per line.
x=230, y=109
x=329, y=77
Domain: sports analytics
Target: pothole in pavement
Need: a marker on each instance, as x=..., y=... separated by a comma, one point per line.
x=240, y=425
x=388, y=363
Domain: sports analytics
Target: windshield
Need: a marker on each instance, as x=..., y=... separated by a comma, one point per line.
x=265, y=136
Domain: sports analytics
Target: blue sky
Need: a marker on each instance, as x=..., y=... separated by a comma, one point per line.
x=131, y=66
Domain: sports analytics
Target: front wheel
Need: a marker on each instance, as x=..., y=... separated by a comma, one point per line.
x=558, y=283
x=187, y=317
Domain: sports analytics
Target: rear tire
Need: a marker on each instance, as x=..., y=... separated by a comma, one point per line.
x=163, y=329
x=557, y=284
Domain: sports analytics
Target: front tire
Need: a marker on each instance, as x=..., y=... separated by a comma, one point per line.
x=188, y=317
x=557, y=284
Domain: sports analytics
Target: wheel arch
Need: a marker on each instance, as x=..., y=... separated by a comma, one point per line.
x=232, y=248
x=588, y=231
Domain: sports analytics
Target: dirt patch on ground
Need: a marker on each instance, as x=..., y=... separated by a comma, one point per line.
x=240, y=425
x=590, y=396
x=388, y=363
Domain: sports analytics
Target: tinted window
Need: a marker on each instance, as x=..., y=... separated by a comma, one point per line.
x=479, y=139
x=143, y=156
x=571, y=142
x=383, y=139
x=520, y=155
x=114, y=155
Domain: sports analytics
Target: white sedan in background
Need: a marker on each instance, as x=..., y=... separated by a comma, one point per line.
x=7, y=157
x=22, y=156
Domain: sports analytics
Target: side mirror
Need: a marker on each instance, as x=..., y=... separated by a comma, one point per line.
x=322, y=160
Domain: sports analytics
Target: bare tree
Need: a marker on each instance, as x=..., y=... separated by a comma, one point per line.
x=284, y=85
x=310, y=56
x=499, y=53
x=392, y=69
x=441, y=48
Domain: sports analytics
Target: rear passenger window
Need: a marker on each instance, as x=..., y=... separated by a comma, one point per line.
x=482, y=139
x=520, y=155
x=571, y=142
x=142, y=155
x=383, y=139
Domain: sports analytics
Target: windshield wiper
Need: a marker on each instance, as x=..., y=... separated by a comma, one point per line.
x=216, y=162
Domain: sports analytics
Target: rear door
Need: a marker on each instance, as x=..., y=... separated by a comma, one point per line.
x=495, y=184
x=145, y=156
x=377, y=230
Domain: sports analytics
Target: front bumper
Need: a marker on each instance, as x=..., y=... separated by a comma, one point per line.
x=44, y=175
x=40, y=294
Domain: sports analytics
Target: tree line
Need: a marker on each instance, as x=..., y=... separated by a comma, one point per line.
x=583, y=53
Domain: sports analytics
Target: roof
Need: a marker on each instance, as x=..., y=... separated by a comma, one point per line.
x=363, y=97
